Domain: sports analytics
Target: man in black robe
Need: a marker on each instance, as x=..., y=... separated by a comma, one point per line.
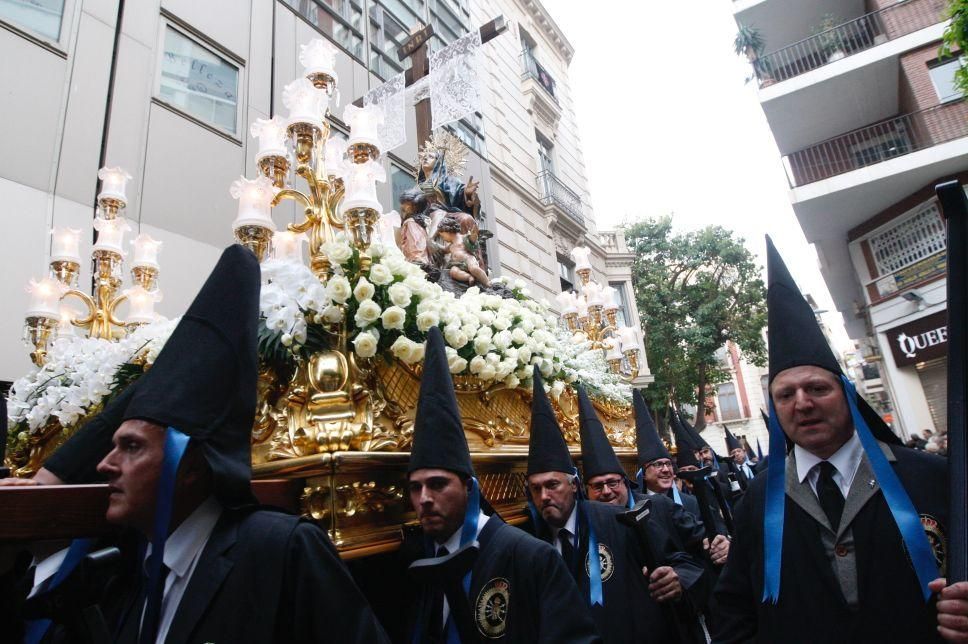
x=605, y=479
x=839, y=541
x=736, y=464
x=629, y=602
x=517, y=589
x=211, y=566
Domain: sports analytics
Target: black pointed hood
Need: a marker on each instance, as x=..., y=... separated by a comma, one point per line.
x=75, y=462
x=697, y=440
x=648, y=443
x=438, y=432
x=597, y=455
x=795, y=338
x=547, y=450
x=685, y=448
x=731, y=441
x=203, y=382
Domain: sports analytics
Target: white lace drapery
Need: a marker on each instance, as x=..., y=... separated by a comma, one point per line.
x=391, y=98
x=455, y=80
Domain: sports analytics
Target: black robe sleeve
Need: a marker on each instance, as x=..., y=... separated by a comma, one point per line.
x=321, y=602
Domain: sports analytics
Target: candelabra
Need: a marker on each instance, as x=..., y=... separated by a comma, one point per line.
x=594, y=314
x=47, y=314
x=325, y=392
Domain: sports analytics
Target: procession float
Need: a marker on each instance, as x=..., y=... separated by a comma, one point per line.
x=341, y=332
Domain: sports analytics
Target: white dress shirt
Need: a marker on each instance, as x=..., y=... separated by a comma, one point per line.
x=845, y=460
x=183, y=549
x=453, y=545
x=569, y=526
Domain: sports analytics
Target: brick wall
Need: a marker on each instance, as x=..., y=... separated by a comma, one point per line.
x=916, y=92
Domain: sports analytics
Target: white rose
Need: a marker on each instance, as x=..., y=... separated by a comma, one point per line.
x=368, y=313
x=338, y=289
x=380, y=275
x=400, y=295
x=519, y=284
x=365, y=344
x=519, y=336
x=364, y=290
x=487, y=373
x=545, y=368
x=332, y=314
x=504, y=369
x=477, y=363
x=502, y=340
x=482, y=345
x=394, y=318
x=455, y=337
x=512, y=381
x=524, y=355
x=456, y=364
x=557, y=388
x=404, y=349
x=427, y=319
x=338, y=252
x=486, y=318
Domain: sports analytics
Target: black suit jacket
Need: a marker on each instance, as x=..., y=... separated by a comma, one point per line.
x=265, y=576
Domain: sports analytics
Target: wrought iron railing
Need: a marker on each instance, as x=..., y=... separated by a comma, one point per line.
x=533, y=69
x=556, y=193
x=881, y=141
x=847, y=39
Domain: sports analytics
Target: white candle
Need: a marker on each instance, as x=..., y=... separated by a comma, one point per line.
x=360, y=183
x=608, y=295
x=287, y=245
x=145, y=251
x=255, y=197
x=614, y=352
x=110, y=234
x=45, y=298
x=319, y=57
x=113, y=183
x=66, y=245
x=567, y=302
x=142, y=304
x=630, y=338
x=306, y=103
x=579, y=255
x=593, y=293
x=364, y=123
x=334, y=156
x=272, y=137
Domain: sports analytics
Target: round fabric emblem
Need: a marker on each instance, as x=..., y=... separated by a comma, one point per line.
x=936, y=537
x=607, y=562
x=491, y=608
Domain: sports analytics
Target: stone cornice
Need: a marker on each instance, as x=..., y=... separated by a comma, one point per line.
x=549, y=27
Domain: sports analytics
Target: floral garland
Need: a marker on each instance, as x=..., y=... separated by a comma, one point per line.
x=389, y=308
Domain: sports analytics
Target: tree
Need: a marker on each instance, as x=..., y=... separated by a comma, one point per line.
x=956, y=39
x=694, y=291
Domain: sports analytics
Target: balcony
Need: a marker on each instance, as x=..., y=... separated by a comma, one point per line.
x=540, y=89
x=847, y=39
x=556, y=194
x=884, y=140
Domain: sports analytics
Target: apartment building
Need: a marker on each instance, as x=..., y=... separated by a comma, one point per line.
x=167, y=89
x=867, y=120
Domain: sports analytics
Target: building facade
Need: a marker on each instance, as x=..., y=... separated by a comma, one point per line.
x=167, y=89
x=866, y=117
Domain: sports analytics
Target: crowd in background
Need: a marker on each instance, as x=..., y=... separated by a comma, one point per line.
x=929, y=441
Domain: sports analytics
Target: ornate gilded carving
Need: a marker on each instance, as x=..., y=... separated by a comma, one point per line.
x=351, y=499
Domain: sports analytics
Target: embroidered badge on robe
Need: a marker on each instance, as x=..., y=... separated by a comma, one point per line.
x=607, y=562
x=491, y=608
x=936, y=537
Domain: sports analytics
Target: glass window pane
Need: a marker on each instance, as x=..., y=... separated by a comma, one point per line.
x=623, y=306
x=400, y=181
x=199, y=82
x=943, y=77
x=341, y=20
x=42, y=17
x=728, y=404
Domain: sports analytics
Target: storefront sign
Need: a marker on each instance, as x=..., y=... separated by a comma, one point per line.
x=923, y=339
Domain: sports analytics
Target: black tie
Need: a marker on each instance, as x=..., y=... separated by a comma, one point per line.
x=567, y=550
x=152, y=615
x=829, y=494
x=436, y=633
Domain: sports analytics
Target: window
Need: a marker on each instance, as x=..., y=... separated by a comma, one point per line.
x=910, y=241
x=199, y=82
x=622, y=315
x=943, y=78
x=341, y=20
x=389, y=28
x=41, y=17
x=400, y=181
x=470, y=130
x=566, y=274
x=765, y=385
x=546, y=158
x=728, y=403
x=449, y=21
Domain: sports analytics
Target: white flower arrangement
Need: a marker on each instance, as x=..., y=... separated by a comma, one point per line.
x=78, y=374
